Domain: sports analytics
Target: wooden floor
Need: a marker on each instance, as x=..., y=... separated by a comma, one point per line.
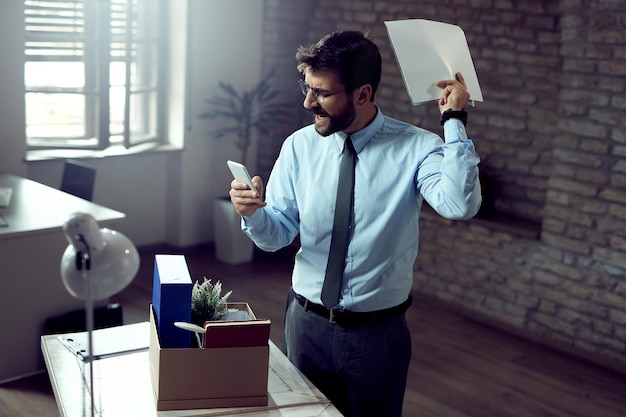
x=460, y=368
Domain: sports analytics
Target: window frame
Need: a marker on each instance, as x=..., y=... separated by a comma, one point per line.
x=100, y=45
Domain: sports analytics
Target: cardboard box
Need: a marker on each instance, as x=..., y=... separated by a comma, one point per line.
x=192, y=378
x=171, y=299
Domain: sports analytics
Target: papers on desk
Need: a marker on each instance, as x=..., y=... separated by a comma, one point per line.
x=429, y=51
x=110, y=341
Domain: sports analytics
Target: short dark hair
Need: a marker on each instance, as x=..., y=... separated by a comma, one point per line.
x=349, y=53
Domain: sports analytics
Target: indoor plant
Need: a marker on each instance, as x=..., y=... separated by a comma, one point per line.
x=245, y=112
x=209, y=305
x=207, y=302
x=243, y=115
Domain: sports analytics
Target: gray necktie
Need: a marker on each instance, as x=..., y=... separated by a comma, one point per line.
x=341, y=227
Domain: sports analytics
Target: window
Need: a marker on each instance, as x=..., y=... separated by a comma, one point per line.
x=92, y=73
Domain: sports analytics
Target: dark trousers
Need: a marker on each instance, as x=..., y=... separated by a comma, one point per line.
x=361, y=369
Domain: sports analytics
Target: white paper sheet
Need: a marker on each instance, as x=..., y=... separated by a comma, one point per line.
x=429, y=51
x=110, y=341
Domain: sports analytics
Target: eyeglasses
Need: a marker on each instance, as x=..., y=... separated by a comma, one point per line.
x=319, y=95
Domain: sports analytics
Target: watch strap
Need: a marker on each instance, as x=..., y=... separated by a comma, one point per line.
x=454, y=114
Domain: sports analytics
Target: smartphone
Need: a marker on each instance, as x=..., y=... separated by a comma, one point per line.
x=240, y=173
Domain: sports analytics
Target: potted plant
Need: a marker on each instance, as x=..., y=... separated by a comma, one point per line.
x=242, y=116
x=245, y=113
x=207, y=302
x=209, y=305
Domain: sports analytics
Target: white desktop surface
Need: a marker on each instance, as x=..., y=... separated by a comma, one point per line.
x=123, y=387
x=31, y=247
x=36, y=208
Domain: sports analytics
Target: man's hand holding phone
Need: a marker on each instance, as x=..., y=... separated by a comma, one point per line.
x=245, y=192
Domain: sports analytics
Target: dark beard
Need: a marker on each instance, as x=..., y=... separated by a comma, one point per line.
x=335, y=123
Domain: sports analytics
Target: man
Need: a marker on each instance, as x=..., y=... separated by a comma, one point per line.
x=356, y=346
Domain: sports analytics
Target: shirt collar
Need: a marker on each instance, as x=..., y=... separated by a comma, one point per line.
x=362, y=137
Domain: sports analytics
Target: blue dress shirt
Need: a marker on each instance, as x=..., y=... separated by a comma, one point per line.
x=398, y=165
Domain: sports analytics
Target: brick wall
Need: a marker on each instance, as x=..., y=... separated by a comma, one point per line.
x=551, y=135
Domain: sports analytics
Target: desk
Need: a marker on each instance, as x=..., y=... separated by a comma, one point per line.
x=31, y=289
x=123, y=387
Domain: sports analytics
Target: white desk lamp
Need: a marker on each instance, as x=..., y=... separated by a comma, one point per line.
x=97, y=264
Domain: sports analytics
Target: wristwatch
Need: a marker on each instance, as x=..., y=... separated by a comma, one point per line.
x=454, y=114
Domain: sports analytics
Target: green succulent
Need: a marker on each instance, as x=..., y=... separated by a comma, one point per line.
x=207, y=302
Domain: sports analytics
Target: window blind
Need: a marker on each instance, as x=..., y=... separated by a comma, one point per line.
x=55, y=30
x=61, y=29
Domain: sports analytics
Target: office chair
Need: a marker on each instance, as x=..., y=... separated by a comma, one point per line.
x=78, y=179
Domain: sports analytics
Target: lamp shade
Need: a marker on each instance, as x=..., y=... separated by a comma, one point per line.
x=107, y=257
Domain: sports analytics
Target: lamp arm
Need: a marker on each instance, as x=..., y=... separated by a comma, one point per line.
x=83, y=259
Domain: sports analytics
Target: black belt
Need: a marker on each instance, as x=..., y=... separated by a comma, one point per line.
x=355, y=318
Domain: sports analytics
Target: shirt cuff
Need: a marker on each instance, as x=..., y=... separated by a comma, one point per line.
x=256, y=219
x=454, y=131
